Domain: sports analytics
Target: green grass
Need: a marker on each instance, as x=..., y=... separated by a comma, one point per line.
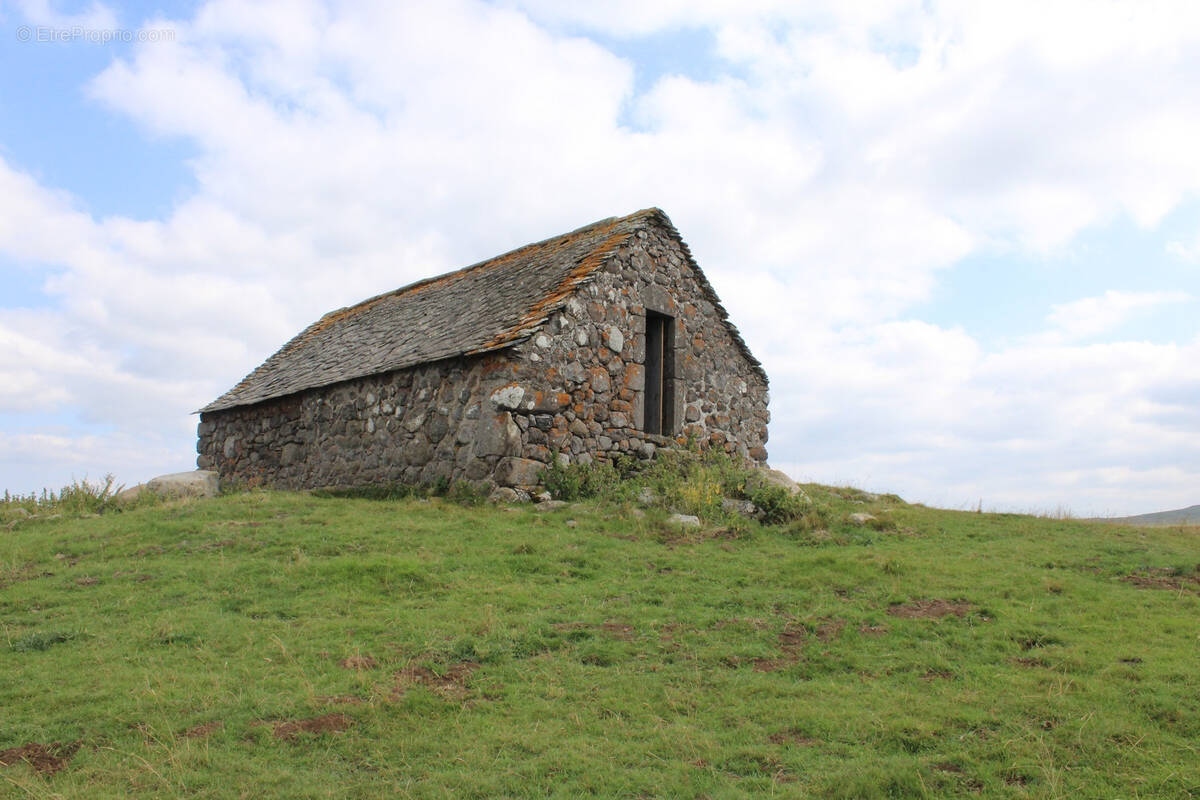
x=451, y=651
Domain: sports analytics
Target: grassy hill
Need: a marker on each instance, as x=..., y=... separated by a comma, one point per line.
x=276, y=644
x=1178, y=516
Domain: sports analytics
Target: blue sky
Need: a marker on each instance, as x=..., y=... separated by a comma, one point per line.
x=964, y=241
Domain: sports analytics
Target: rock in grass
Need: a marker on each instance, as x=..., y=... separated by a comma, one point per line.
x=744, y=507
x=684, y=520
x=861, y=518
x=197, y=483
x=765, y=476
x=550, y=505
x=647, y=497
x=503, y=494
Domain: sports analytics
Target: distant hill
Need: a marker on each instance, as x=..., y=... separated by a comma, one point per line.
x=1180, y=516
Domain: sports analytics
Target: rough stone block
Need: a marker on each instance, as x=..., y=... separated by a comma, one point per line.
x=513, y=471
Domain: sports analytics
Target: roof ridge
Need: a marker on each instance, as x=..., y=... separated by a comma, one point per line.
x=494, y=260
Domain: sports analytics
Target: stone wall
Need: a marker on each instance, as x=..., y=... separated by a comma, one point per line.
x=411, y=426
x=575, y=389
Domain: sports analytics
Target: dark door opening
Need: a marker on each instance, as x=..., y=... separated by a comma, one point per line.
x=659, y=414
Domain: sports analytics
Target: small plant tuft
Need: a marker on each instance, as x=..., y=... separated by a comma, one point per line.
x=37, y=641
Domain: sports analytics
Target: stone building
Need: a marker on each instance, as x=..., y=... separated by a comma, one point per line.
x=601, y=341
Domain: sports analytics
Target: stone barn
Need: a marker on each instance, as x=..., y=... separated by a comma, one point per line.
x=602, y=341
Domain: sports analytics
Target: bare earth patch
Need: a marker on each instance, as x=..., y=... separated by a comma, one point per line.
x=357, y=663
x=204, y=730
x=792, y=637
x=830, y=629
x=793, y=737
x=451, y=684
x=290, y=730
x=87, y=580
x=618, y=630
x=873, y=630
x=791, y=640
x=930, y=609
x=45, y=759
x=1165, y=578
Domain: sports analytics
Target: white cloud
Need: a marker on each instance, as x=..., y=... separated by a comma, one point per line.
x=844, y=157
x=1090, y=316
x=1185, y=251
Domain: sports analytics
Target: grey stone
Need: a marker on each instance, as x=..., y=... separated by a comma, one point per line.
x=508, y=397
x=497, y=435
x=861, y=518
x=613, y=339
x=512, y=471
x=550, y=505
x=417, y=452
x=198, y=483
x=684, y=520
x=574, y=372
x=647, y=497
x=290, y=454
x=503, y=494
x=766, y=476
x=744, y=507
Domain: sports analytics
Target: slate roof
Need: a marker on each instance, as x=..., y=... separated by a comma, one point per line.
x=487, y=306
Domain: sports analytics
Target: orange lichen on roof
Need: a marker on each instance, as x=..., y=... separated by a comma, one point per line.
x=537, y=313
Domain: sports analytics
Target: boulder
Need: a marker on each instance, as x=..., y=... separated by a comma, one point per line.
x=861, y=518
x=765, y=476
x=744, y=507
x=550, y=505
x=684, y=520
x=513, y=471
x=503, y=494
x=198, y=483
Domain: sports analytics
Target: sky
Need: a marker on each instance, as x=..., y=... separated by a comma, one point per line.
x=963, y=238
